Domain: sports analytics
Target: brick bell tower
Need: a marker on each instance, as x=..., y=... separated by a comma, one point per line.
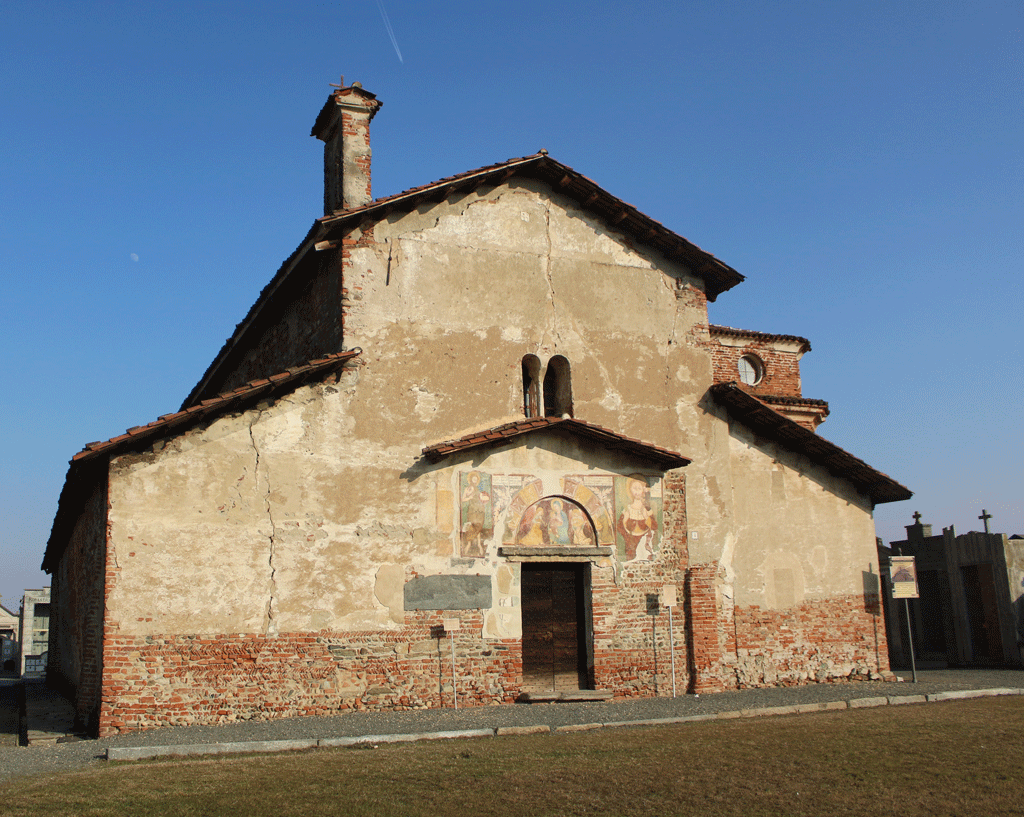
x=343, y=125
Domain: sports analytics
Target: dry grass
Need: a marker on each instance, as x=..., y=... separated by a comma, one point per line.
x=963, y=758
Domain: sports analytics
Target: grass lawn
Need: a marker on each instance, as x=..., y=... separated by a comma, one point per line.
x=960, y=757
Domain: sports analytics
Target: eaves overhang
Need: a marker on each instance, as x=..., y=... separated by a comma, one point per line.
x=770, y=424
x=613, y=211
x=91, y=462
x=661, y=458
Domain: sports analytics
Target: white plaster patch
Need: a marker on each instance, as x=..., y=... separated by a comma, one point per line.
x=612, y=401
x=389, y=589
x=427, y=403
x=513, y=334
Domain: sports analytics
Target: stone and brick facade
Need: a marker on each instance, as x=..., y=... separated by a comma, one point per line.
x=772, y=371
x=357, y=487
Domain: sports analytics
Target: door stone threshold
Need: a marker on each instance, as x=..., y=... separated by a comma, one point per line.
x=568, y=696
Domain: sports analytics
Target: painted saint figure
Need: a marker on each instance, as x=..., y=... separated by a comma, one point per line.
x=476, y=524
x=558, y=524
x=582, y=530
x=637, y=522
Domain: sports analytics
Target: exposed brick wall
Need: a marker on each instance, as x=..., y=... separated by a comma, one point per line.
x=632, y=643
x=781, y=369
x=836, y=639
x=705, y=629
x=180, y=679
x=304, y=323
x=76, y=602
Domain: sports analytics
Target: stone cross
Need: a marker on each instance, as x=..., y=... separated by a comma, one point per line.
x=917, y=518
x=985, y=516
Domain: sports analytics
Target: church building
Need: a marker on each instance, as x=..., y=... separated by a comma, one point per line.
x=473, y=441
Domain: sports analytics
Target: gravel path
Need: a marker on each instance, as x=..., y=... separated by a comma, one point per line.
x=62, y=757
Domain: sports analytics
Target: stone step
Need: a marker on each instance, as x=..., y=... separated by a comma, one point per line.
x=565, y=696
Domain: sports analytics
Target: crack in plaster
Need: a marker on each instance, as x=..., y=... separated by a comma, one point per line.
x=269, y=624
x=668, y=356
x=547, y=273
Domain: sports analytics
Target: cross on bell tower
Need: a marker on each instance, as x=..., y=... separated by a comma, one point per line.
x=985, y=516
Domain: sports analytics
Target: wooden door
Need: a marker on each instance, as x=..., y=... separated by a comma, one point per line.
x=554, y=631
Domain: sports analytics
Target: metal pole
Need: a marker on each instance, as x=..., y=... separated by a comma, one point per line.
x=455, y=690
x=672, y=650
x=910, y=639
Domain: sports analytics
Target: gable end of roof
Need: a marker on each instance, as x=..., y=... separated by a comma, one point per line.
x=772, y=425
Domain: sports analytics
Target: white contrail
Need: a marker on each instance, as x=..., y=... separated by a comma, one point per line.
x=391, y=31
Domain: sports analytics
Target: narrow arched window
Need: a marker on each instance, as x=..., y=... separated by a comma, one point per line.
x=557, y=388
x=531, y=386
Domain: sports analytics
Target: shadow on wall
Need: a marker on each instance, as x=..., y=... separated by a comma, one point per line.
x=1018, y=609
x=873, y=605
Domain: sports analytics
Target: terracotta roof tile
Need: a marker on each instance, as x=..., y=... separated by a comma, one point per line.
x=762, y=336
x=626, y=219
x=768, y=423
x=662, y=457
x=213, y=405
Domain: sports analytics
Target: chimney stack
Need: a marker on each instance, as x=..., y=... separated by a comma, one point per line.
x=343, y=125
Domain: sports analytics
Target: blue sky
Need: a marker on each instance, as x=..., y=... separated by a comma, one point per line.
x=860, y=163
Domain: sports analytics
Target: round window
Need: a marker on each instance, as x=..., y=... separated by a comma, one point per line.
x=751, y=370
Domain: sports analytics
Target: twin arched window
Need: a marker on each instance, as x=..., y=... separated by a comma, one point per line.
x=555, y=388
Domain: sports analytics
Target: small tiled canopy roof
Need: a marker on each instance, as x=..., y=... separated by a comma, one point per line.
x=660, y=457
x=78, y=480
x=771, y=425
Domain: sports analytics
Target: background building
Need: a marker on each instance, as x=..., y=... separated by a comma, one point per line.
x=9, y=627
x=971, y=605
x=34, y=632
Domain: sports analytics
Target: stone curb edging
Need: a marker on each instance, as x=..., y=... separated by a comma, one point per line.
x=253, y=746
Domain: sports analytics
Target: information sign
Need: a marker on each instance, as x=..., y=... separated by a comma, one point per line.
x=903, y=572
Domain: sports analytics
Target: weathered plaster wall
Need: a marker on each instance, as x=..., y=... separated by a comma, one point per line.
x=799, y=572
x=264, y=559
x=260, y=567
x=452, y=298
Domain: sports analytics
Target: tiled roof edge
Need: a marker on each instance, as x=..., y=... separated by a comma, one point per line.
x=510, y=431
x=767, y=422
x=785, y=399
x=220, y=403
x=717, y=329
x=75, y=489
